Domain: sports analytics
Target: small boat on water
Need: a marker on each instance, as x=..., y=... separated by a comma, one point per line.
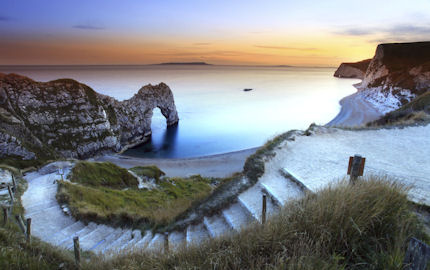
x=247, y=89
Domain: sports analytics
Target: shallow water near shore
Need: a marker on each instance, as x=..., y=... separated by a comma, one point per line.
x=216, y=115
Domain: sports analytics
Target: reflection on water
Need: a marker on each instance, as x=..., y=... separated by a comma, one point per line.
x=159, y=146
x=216, y=115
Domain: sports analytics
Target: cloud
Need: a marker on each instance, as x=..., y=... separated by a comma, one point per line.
x=88, y=27
x=285, y=48
x=403, y=29
x=202, y=43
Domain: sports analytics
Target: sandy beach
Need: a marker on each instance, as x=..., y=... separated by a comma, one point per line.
x=355, y=111
x=221, y=165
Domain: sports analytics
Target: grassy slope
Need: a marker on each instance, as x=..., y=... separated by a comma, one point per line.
x=364, y=226
x=96, y=197
x=105, y=174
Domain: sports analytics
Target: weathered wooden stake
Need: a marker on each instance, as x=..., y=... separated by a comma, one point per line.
x=10, y=193
x=263, y=212
x=14, y=183
x=28, y=230
x=5, y=215
x=77, y=251
x=20, y=223
x=166, y=242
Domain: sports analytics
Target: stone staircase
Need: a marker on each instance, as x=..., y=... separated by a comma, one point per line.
x=50, y=224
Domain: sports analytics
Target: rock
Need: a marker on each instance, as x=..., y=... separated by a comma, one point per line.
x=352, y=70
x=397, y=73
x=69, y=119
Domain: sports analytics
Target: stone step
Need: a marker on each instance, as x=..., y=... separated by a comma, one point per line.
x=136, y=236
x=67, y=232
x=43, y=211
x=237, y=216
x=116, y=245
x=108, y=240
x=91, y=240
x=283, y=190
x=177, y=240
x=157, y=243
x=143, y=243
x=217, y=225
x=68, y=243
x=44, y=228
x=196, y=234
x=35, y=207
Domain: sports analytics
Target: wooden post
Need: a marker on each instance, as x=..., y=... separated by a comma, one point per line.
x=14, y=183
x=417, y=255
x=5, y=215
x=10, y=193
x=77, y=251
x=355, y=167
x=263, y=212
x=166, y=242
x=28, y=230
x=20, y=223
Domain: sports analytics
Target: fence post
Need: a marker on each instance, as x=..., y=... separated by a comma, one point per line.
x=77, y=251
x=263, y=211
x=14, y=183
x=166, y=242
x=5, y=214
x=28, y=230
x=20, y=223
x=10, y=193
x=355, y=167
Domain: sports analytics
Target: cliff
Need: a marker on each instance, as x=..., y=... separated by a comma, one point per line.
x=352, y=70
x=69, y=119
x=397, y=73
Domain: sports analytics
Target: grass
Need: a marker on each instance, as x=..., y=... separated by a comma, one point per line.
x=149, y=172
x=102, y=174
x=133, y=207
x=364, y=226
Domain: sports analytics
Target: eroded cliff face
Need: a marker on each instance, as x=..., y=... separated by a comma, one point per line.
x=69, y=119
x=396, y=74
x=352, y=70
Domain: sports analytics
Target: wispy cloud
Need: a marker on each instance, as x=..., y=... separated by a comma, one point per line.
x=403, y=29
x=88, y=27
x=285, y=48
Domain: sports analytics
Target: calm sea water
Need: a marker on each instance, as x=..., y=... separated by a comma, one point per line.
x=216, y=115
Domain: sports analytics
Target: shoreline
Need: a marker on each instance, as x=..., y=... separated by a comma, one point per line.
x=355, y=111
x=218, y=165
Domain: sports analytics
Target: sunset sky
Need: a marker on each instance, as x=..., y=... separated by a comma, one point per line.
x=252, y=32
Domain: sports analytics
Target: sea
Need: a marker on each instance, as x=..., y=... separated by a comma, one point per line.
x=216, y=114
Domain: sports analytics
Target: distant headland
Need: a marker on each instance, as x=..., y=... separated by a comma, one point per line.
x=186, y=63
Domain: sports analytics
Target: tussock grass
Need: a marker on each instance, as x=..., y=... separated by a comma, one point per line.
x=364, y=226
x=105, y=174
x=133, y=207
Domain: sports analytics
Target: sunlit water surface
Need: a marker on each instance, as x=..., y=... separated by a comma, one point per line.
x=216, y=115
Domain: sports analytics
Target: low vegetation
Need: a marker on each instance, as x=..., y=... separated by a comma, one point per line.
x=364, y=226
x=94, y=194
x=416, y=111
x=104, y=174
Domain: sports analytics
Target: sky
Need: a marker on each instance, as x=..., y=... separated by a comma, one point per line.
x=226, y=32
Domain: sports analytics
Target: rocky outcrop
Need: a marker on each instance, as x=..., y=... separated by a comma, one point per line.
x=396, y=74
x=69, y=119
x=352, y=70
